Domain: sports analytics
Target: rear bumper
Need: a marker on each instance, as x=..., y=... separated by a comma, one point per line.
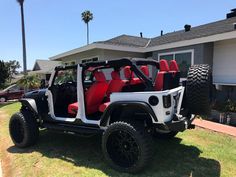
x=180, y=125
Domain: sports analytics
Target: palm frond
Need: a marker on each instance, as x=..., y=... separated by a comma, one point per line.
x=20, y=1
x=87, y=16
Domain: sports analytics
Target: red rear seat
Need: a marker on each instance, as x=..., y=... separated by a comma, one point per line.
x=94, y=95
x=174, y=70
x=116, y=84
x=162, y=76
x=174, y=66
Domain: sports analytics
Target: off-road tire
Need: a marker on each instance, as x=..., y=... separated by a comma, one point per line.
x=198, y=89
x=23, y=129
x=168, y=135
x=142, y=144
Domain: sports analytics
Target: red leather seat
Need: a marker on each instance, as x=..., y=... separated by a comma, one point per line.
x=129, y=75
x=161, y=75
x=164, y=65
x=103, y=106
x=93, y=96
x=116, y=84
x=73, y=108
x=174, y=66
x=145, y=70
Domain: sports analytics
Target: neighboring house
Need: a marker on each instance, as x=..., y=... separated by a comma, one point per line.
x=213, y=43
x=44, y=68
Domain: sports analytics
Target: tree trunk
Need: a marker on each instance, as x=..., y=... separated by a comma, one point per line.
x=23, y=39
x=87, y=34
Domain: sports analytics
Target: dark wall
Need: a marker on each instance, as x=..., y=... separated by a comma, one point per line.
x=225, y=93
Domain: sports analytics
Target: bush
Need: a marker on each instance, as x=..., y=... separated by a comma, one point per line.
x=225, y=106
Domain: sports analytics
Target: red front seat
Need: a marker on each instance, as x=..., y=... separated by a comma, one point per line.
x=129, y=75
x=162, y=78
x=93, y=96
x=145, y=70
x=96, y=93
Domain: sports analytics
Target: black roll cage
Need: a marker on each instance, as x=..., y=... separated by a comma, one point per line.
x=118, y=63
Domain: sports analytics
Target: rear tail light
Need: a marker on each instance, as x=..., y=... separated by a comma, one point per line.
x=167, y=101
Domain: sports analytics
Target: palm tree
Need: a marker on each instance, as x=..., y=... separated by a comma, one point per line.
x=87, y=16
x=21, y=2
x=29, y=82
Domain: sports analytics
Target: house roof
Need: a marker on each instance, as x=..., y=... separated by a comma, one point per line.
x=209, y=29
x=215, y=31
x=45, y=66
x=131, y=41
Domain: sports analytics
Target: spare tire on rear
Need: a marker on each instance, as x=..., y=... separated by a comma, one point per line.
x=198, y=89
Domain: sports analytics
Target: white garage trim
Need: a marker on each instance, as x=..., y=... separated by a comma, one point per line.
x=99, y=46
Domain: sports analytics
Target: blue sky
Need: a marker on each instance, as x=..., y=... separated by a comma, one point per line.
x=53, y=26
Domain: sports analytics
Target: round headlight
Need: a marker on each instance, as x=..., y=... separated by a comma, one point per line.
x=153, y=100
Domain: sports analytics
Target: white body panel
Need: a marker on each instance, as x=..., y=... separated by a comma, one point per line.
x=163, y=114
x=159, y=110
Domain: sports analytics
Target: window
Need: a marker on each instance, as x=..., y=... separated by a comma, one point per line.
x=65, y=76
x=167, y=57
x=184, y=62
x=183, y=58
x=89, y=60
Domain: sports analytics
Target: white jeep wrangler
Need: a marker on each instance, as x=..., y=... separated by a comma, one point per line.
x=126, y=105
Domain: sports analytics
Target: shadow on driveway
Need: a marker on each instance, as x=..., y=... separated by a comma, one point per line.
x=171, y=158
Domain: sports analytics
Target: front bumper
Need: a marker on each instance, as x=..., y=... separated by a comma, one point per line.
x=180, y=125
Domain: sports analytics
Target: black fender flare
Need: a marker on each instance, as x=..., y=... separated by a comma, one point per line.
x=114, y=105
x=29, y=103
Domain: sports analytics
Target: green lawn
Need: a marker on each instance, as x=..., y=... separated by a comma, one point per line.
x=197, y=153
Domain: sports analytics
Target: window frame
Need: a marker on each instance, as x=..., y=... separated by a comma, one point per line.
x=56, y=75
x=178, y=52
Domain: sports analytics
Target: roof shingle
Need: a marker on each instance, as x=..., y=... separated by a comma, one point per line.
x=127, y=40
x=209, y=29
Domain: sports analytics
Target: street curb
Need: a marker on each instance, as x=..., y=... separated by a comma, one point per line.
x=215, y=127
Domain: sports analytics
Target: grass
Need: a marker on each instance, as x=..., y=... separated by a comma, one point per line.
x=194, y=153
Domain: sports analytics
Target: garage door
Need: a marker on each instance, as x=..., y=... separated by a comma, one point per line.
x=224, y=62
